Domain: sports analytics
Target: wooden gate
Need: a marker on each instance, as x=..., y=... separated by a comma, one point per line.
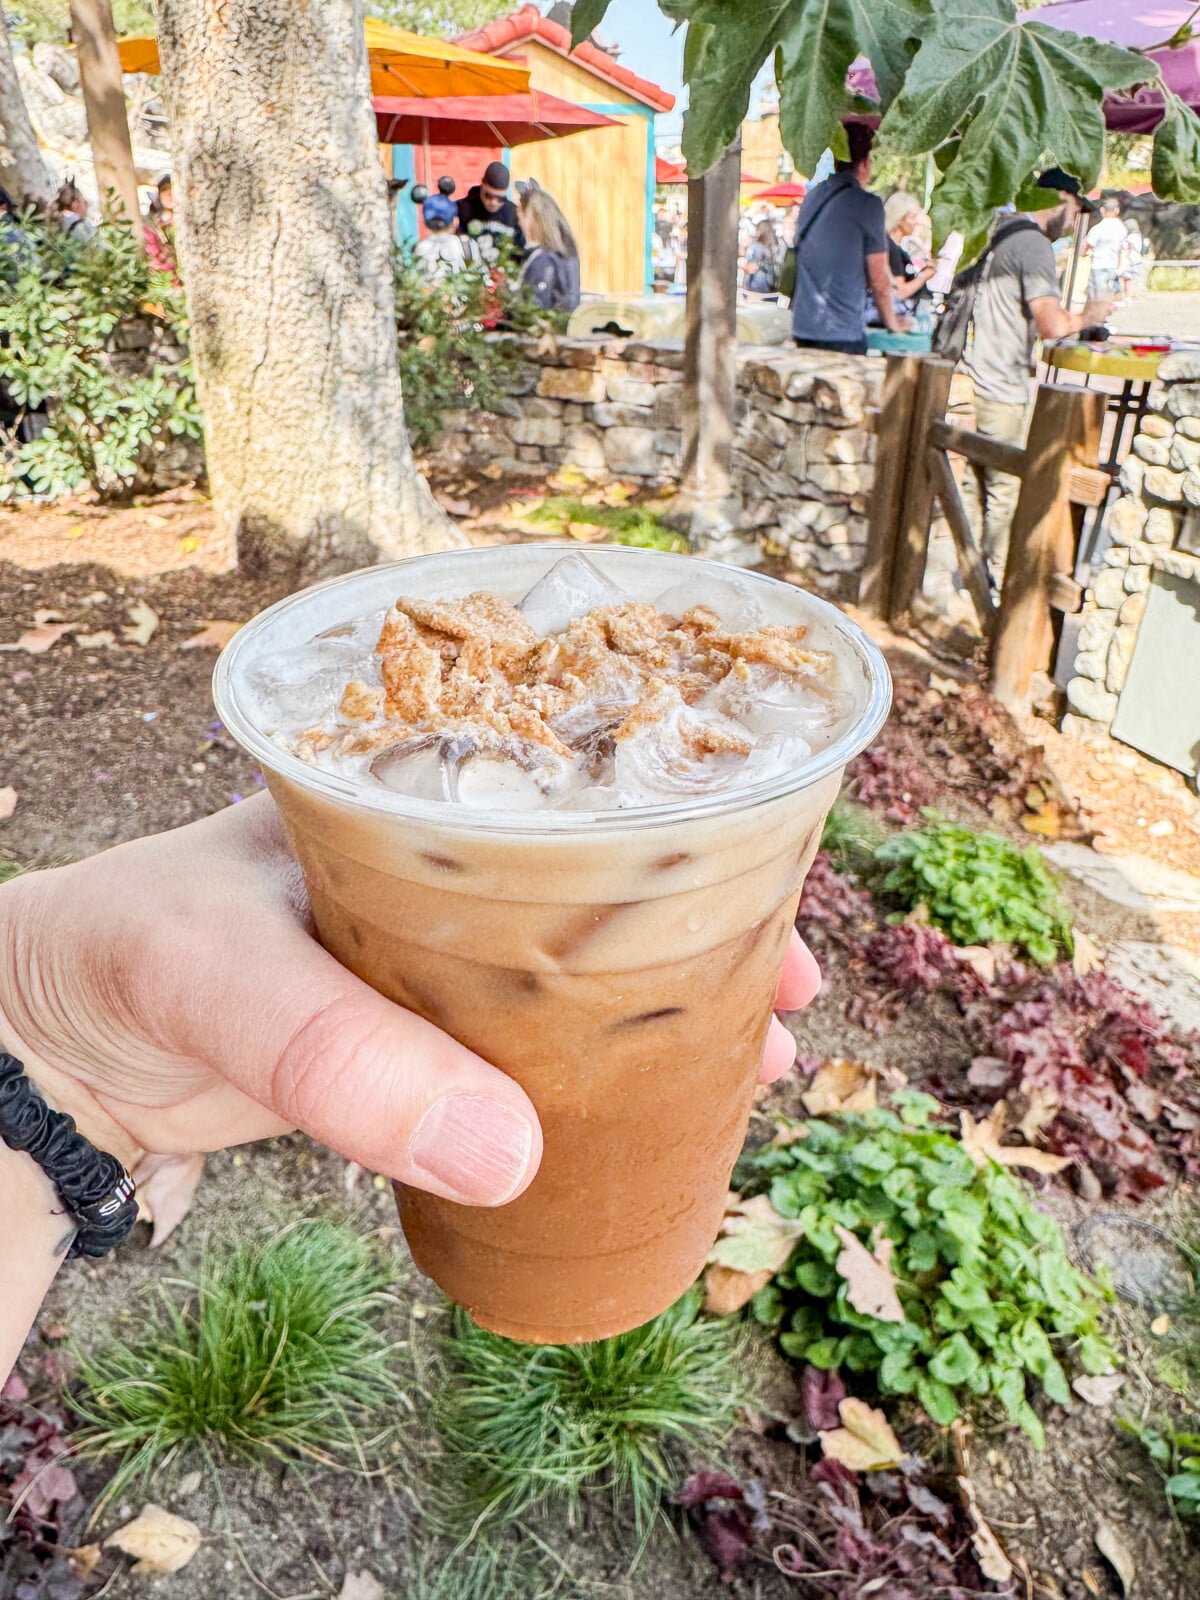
x=1060, y=478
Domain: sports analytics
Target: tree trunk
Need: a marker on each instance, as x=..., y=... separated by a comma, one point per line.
x=104, y=97
x=286, y=254
x=23, y=173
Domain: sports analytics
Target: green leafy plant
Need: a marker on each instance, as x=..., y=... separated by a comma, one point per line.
x=978, y=888
x=1177, y=1455
x=525, y=1426
x=278, y=1351
x=630, y=525
x=852, y=838
x=988, y=1296
x=451, y=357
x=63, y=306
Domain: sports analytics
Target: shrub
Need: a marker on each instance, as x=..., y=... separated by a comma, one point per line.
x=630, y=525
x=1177, y=1455
x=450, y=356
x=989, y=1297
x=978, y=888
x=525, y=1426
x=61, y=303
x=278, y=1352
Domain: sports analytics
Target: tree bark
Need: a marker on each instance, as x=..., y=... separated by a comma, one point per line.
x=103, y=86
x=286, y=255
x=23, y=172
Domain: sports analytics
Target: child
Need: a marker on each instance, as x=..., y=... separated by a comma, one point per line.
x=443, y=250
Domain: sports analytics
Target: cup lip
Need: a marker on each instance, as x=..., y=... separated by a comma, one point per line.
x=388, y=803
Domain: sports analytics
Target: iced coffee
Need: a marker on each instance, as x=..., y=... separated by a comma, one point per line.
x=562, y=807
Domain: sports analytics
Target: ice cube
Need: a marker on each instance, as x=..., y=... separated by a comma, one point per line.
x=765, y=702
x=299, y=688
x=666, y=760
x=717, y=588
x=571, y=588
x=416, y=768
x=492, y=781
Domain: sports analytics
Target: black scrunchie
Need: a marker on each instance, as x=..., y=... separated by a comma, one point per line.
x=94, y=1187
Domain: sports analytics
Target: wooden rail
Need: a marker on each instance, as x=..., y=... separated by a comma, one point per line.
x=1059, y=477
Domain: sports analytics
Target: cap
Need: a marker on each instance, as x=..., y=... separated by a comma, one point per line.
x=1057, y=178
x=497, y=176
x=439, y=210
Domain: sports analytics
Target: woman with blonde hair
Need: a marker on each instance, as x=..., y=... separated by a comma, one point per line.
x=551, y=270
x=903, y=216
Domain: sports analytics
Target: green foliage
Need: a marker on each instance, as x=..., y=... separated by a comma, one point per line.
x=1168, y=279
x=990, y=1299
x=35, y=20
x=277, y=1353
x=852, y=838
x=630, y=525
x=61, y=303
x=1178, y=1457
x=8, y=869
x=450, y=359
x=525, y=1426
x=991, y=97
x=978, y=888
x=441, y=19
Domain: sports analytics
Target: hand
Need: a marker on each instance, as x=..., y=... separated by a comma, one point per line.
x=1097, y=311
x=170, y=996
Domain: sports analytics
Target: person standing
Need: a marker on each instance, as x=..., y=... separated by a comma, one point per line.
x=71, y=210
x=1106, y=244
x=903, y=215
x=551, y=270
x=443, y=250
x=842, y=257
x=487, y=215
x=1016, y=302
x=764, y=257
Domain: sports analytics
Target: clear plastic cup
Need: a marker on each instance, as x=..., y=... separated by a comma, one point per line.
x=620, y=965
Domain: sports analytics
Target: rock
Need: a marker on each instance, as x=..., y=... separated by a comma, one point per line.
x=584, y=356
x=662, y=352
x=631, y=392
x=762, y=448
x=1182, y=366
x=1117, y=555
x=631, y=451
x=583, y=447
x=1137, y=580
x=668, y=441
x=1108, y=587
x=1131, y=476
x=1133, y=609
x=535, y=406
x=1183, y=399
x=570, y=383
x=1090, y=699
x=841, y=480
x=1189, y=427
x=1126, y=520
x=847, y=558
x=1160, y=483
x=1120, y=654
x=608, y=415
x=1141, y=555
x=1158, y=427
x=1179, y=563
x=529, y=453
x=668, y=405
x=851, y=446
x=1091, y=664
x=1191, y=486
x=1156, y=452
x=1160, y=526
x=1185, y=453
x=59, y=64
x=546, y=431
x=1095, y=631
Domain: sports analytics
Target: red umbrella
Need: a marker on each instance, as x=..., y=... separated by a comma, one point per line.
x=668, y=173
x=478, y=120
x=784, y=191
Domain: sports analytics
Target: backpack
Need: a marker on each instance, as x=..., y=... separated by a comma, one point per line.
x=954, y=326
x=788, y=270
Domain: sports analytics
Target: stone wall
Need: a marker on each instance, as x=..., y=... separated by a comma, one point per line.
x=1154, y=525
x=804, y=440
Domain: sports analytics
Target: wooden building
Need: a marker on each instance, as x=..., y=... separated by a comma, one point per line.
x=603, y=178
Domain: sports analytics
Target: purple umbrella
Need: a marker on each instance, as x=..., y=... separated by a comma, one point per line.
x=1137, y=24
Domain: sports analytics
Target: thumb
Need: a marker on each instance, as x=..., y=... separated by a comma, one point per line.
x=306, y=1038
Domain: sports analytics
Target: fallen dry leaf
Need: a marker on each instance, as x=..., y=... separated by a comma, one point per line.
x=8, y=802
x=841, y=1085
x=981, y=958
x=84, y=1558
x=1043, y=1107
x=189, y=544
x=1117, y=1553
x=161, y=1541
x=865, y=1441
x=105, y=639
x=981, y=1141
x=215, y=633
x=165, y=1187
x=755, y=1241
x=1161, y=1326
x=1147, y=1102
x=993, y=1562
x=1098, y=1391
x=361, y=1586
x=1088, y=956
x=727, y=1291
x=870, y=1282
x=48, y=628
x=587, y=532
x=144, y=621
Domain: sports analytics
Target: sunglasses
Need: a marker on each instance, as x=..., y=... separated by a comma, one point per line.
x=493, y=194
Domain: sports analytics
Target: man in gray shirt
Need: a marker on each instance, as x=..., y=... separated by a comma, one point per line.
x=841, y=254
x=1016, y=303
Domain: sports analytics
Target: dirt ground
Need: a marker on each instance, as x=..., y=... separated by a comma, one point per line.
x=108, y=738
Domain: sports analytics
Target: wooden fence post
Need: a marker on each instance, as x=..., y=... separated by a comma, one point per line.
x=916, y=513
x=893, y=442
x=1063, y=436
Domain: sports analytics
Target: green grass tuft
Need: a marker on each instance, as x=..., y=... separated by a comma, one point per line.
x=524, y=1427
x=278, y=1351
x=852, y=836
x=629, y=525
x=8, y=869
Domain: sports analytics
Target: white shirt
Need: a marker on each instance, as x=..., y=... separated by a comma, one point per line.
x=1105, y=241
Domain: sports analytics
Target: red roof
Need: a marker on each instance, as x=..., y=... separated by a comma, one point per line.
x=498, y=38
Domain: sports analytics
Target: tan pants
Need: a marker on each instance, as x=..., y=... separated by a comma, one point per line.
x=990, y=497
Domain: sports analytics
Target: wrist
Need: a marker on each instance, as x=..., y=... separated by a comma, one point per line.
x=34, y=1243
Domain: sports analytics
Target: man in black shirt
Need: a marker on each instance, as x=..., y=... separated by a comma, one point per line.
x=488, y=216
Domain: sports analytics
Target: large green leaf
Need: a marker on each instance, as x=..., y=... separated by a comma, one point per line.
x=814, y=42
x=1175, y=168
x=586, y=18
x=1020, y=95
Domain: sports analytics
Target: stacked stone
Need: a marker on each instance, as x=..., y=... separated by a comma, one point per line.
x=804, y=442
x=1152, y=526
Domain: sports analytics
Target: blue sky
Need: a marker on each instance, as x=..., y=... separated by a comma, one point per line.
x=650, y=47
